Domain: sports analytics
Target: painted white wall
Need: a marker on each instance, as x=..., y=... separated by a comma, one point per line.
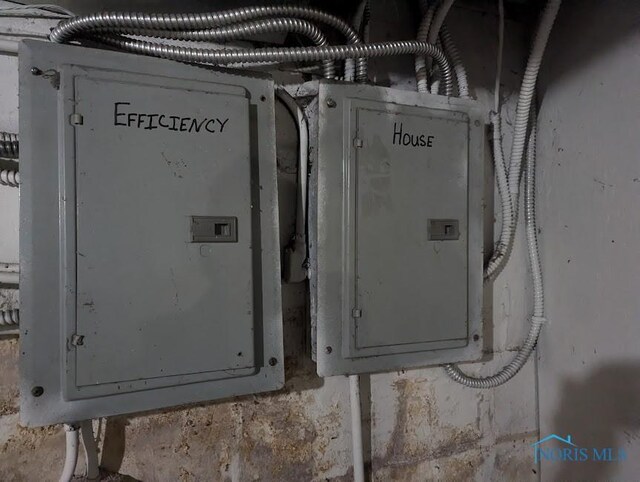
x=589, y=193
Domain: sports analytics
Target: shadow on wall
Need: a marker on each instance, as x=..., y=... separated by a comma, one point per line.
x=584, y=31
x=599, y=411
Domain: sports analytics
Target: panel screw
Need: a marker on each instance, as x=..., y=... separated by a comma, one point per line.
x=37, y=391
x=36, y=71
x=331, y=103
x=328, y=349
x=273, y=362
x=476, y=337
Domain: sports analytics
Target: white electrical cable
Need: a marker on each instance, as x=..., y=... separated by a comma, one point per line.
x=538, y=318
x=501, y=253
x=431, y=28
x=523, y=112
x=496, y=90
x=434, y=31
x=438, y=20
x=25, y=10
x=297, y=251
x=90, y=448
x=71, y=456
x=451, y=51
x=420, y=61
x=356, y=428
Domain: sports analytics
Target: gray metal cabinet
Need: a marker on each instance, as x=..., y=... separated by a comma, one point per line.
x=396, y=229
x=150, y=270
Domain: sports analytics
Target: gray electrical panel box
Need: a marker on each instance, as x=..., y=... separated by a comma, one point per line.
x=150, y=270
x=396, y=229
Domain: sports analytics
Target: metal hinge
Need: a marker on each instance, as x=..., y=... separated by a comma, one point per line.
x=76, y=119
x=77, y=340
x=356, y=313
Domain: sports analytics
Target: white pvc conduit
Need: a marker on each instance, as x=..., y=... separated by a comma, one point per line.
x=356, y=428
x=71, y=457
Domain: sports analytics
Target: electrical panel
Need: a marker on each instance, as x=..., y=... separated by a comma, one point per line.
x=150, y=267
x=395, y=229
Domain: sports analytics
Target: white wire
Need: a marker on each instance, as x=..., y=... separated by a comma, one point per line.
x=43, y=7
x=496, y=90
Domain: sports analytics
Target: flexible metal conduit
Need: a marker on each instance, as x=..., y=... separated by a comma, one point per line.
x=538, y=319
x=243, y=30
x=69, y=29
x=286, y=54
x=429, y=31
x=9, y=145
x=421, y=62
x=510, y=206
x=502, y=250
x=9, y=317
x=452, y=53
x=9, y=178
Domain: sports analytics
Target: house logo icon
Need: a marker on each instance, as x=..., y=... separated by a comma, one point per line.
x=555, y=448
x=553, y=436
